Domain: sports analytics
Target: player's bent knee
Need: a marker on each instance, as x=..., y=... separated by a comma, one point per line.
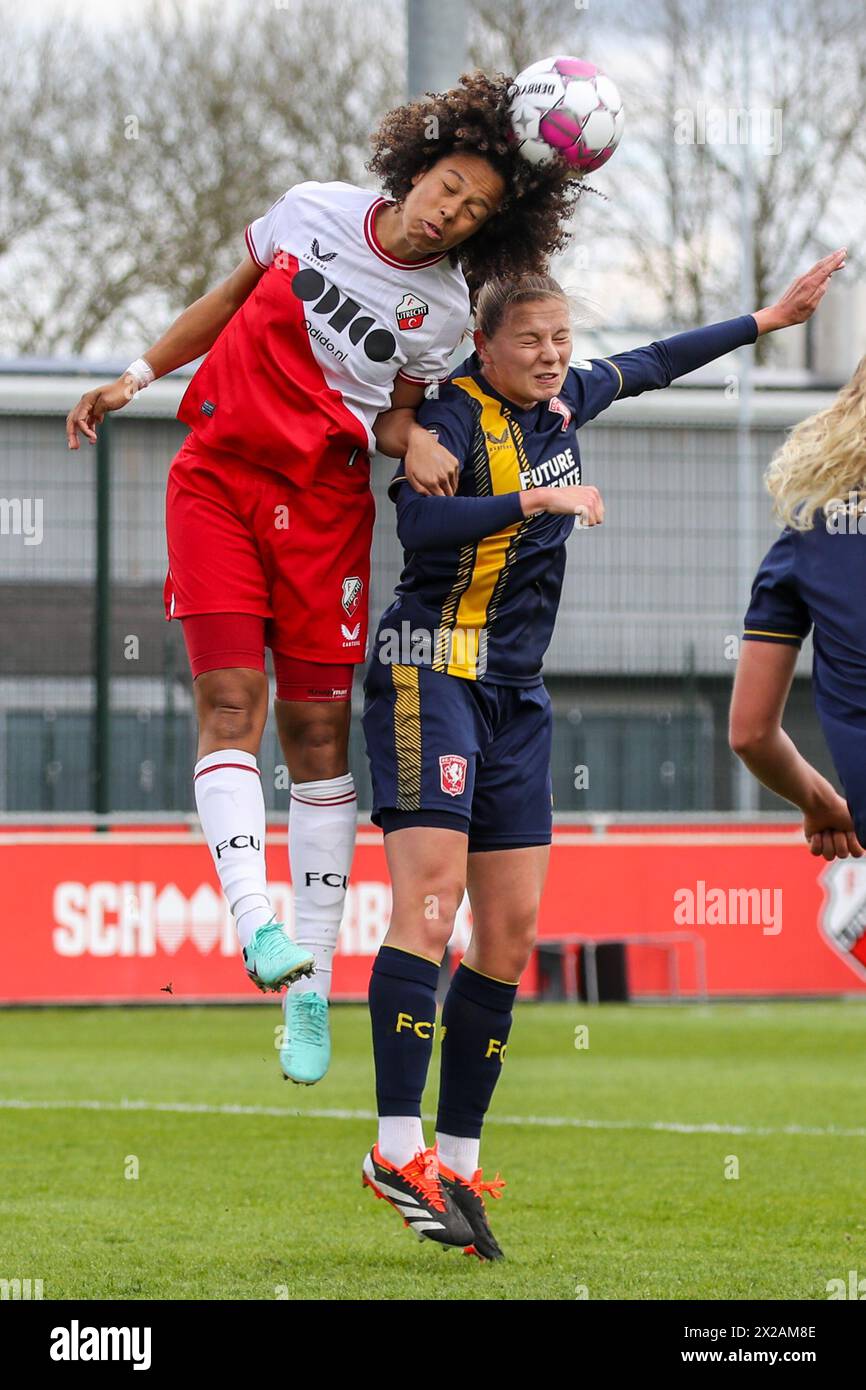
x=505, y=951
x=324, y=741
x=441, y=896
x=423, y=921
x=229, y=725
x=231, y=707
x=519, y=952
x=429, y=939
x=315, y=742
x=318, y=759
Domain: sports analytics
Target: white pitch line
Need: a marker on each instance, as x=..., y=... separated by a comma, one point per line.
x=543, y=1121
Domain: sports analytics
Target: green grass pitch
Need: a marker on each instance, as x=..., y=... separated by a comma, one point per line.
x=262, y=1206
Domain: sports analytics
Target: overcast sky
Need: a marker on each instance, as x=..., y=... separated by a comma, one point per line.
x=113, y=9
x=606, y=281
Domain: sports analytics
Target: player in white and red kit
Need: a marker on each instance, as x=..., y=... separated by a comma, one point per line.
x=292, y=388
x=319, y=348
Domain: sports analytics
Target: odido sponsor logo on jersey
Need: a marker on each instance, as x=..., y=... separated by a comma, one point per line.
x=342, y=314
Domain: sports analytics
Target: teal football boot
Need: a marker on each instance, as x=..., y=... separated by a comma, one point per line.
x=306, y=1050
x=272, y=959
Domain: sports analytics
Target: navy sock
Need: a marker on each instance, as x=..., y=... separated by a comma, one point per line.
x=403, y=1014
x=476, y=1021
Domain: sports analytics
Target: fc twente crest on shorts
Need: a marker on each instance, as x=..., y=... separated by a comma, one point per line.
x=560, y=408
x=843, y=916
x=452, y=774
x=411, y=311
x=352, y=587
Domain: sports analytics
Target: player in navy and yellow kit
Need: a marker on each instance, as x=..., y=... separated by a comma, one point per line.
x=813, y=578
x=458, y=721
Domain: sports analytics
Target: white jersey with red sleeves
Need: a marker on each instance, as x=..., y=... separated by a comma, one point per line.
x=309, y=360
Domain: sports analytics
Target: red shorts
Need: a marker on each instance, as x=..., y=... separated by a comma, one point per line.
x=244, y=539
x=221, y=641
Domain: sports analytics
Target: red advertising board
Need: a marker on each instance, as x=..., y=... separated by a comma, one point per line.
x=125, y=914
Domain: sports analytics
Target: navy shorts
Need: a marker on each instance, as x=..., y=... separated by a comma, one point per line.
x=466, y=755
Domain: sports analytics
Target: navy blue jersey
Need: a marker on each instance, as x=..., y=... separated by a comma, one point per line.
x=478, y=575
x=817, y=580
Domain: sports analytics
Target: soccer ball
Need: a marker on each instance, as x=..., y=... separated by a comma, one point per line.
x=568, y=109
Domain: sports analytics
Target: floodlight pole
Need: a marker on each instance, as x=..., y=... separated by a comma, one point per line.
x=437, y=45
x=102, y=626
x=746, y=786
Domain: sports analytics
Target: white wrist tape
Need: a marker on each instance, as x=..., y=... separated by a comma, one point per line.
x=141, y=372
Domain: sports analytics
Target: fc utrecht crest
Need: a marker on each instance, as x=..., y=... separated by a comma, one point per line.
x=843, y=915
x=452, y=774
x=411, y=311
x=351, y=593
x=560, y=408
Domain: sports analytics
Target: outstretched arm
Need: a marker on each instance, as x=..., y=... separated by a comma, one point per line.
x=764, y=674
x=802, y=296
x=799, y=302
x=193, y=333
x=655, y=366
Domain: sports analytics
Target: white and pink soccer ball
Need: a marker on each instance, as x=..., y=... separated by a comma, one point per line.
x=565, y=108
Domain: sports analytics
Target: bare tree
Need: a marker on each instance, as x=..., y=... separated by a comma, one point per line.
x=31, y=94
x=508, y=35
x=664, y=193
x=675, y=196
x=178, y=134
x=126, y=181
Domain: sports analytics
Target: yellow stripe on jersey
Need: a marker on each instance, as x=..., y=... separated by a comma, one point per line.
x=407, y=736
x=444, y=636
x=616, y=369
x=473, y=592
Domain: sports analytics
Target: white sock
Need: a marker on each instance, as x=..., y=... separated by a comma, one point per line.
x=400, y=1138
x=231, y=808
x=322, y=821
x=458, y=1154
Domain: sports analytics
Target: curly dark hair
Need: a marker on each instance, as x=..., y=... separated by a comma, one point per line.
x=472, y=118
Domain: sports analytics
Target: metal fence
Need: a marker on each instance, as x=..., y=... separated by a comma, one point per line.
x=96, y=709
